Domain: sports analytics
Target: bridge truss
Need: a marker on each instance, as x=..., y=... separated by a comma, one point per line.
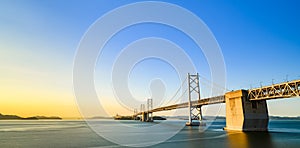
x=282, y=90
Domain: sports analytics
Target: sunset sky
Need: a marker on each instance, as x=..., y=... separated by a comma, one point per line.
x=260, y=41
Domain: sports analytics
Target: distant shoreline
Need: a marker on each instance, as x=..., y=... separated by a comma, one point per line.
x=15, y=117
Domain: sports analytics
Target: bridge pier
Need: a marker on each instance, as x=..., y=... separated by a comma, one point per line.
x=146, y=117
x=245, y=115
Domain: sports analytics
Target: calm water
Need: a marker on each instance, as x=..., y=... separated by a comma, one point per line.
x=282, y=133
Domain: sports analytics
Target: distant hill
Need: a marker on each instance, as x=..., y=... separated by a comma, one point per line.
x=101, y=117
x=47, y=118
x=15, y=117
x=284, y=118
x=9, y=117
x=158, y=118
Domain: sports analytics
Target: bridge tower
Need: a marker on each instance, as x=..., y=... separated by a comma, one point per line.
x=147, y=114
x=135, y=111
x=144, y=115
x=149, y=107
x=195, y=113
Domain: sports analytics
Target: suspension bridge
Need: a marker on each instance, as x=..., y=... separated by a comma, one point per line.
x=246, y=110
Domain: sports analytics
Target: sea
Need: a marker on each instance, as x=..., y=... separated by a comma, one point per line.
x=77, y=133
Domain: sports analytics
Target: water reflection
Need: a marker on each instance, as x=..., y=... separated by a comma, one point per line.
x=249, y=140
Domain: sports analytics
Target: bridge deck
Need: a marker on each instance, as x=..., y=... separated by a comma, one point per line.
x=206, y=101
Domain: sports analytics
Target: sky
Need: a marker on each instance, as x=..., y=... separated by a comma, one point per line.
x=259, y=40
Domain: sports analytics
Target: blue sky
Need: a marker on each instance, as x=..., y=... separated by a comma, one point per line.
x=260, y=41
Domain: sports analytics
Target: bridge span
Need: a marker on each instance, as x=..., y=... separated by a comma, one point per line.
x=197, y=103
x=246, y=110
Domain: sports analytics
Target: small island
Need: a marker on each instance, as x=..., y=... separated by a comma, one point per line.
x=15, y=117
x=119, y=117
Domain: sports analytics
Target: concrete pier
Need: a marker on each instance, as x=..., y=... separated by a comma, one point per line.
x=146, y=117
x=245, y=115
